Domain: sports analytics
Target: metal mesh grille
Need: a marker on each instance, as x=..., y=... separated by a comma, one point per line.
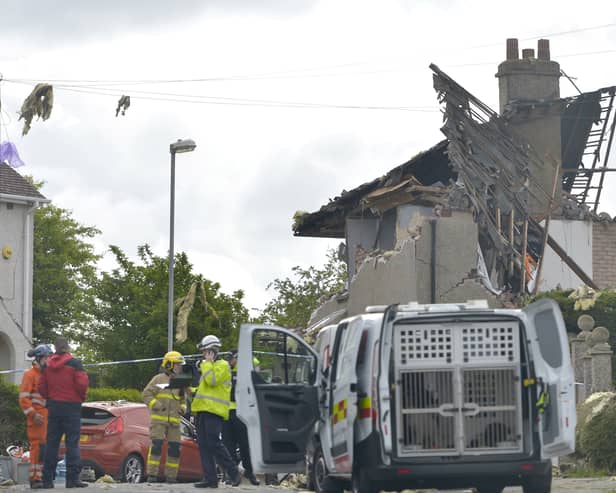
x=489, y=343
x=423, y=344
x=423, y=426
x=492, y=397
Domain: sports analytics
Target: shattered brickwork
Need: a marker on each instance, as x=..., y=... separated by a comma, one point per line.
x=604, y=254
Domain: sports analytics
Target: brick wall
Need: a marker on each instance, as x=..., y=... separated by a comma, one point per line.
x=604, y=254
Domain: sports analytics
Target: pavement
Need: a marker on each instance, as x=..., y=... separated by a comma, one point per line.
x=560, y=485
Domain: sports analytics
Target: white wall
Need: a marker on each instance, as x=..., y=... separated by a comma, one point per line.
x=575, y=237
x=15, y=283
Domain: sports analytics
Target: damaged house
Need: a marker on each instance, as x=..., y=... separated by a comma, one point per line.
x=506, y=204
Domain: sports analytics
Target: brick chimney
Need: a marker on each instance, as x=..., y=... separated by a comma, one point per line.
x=531, y=79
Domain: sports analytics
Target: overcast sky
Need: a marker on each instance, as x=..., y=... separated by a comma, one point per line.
x=256, y=164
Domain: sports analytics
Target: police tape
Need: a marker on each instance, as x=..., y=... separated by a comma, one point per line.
x=147, y=360
x=122, y=362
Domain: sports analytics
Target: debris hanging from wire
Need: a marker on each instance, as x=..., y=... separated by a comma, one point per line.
x=123, y=105
x=39, y=103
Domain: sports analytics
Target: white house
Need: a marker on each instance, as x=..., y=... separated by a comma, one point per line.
x=18, y=200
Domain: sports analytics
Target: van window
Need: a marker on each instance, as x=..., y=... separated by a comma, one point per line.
x=549, y=338
x=279, y=358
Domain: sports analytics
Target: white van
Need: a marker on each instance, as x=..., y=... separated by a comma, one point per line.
x=412, y=396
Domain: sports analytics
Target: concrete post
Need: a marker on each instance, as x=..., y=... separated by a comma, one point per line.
x=601, y=361
x=579, y=348
x=587, y=364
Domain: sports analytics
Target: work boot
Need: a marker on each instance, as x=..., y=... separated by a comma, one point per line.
x=236, y=479
x=47, y=485
x=36, y=485
x=75, y=483
x=250, y=476
x=206, y=484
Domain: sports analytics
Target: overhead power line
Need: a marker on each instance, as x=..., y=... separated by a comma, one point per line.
x=301, y=73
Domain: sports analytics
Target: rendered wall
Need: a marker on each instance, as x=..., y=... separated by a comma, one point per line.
x=576, y=238
x=13, y=342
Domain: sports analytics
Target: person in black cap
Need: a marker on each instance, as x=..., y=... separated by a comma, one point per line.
x=234, y=432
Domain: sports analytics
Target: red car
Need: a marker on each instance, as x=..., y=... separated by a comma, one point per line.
x=115, y=440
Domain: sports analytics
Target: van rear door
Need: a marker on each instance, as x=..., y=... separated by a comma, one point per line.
x=276, y=395
x=547, y=335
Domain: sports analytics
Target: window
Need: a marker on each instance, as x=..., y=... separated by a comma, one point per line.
x=280, y=358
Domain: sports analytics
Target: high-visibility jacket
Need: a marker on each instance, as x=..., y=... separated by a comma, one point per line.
x=214, y=390
x=165, y=404
x=30, y=400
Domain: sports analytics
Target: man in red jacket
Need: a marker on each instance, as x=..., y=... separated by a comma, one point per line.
x=64, y=384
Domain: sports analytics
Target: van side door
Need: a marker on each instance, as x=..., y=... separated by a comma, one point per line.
x=549, y=348
x=344, y=390
x=277, y=396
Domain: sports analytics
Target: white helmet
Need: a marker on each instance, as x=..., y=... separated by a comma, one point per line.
x=209, y=342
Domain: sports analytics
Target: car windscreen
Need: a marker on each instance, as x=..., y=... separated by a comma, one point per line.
x=95, y=416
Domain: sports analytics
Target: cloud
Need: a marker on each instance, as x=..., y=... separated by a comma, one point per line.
x=55, y=22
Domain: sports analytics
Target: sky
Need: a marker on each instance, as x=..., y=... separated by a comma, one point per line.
x=289, y=102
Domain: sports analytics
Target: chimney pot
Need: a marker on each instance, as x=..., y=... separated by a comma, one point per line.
x=528, y=53
x=543, y=49
x=512, y=49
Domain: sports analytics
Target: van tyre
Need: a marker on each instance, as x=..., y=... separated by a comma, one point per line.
x=539, y=484
x=322, y=482
x=490, y=488
x=361, y=484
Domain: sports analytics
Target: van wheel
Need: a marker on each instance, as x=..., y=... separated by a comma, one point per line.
x=361, y=484
x=490, y=488
x=322, y=482
x=539, y=484
x=132, y=469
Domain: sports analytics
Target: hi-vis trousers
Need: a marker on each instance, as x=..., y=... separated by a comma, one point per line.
x=37, y=436
x=159, y=430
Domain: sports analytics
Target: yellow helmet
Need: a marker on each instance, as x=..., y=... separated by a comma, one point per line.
x=171, y=358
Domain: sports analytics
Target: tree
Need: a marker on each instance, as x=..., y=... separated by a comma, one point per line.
x=131, y=315
x=297, y=298
x=64, y=273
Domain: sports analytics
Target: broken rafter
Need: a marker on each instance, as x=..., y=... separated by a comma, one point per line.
x=494, y=167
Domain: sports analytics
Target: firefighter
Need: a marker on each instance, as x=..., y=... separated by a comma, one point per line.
x=210, y=405
x=166, y=407
x=33, y=405
x=234, y=432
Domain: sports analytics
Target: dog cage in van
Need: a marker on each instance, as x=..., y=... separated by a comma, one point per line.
x=457, y=388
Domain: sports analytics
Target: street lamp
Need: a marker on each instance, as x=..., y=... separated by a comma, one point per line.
x=186, y=145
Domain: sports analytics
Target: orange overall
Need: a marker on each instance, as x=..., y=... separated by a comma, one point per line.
x=32, y=404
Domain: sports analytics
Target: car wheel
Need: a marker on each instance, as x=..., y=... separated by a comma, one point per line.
x=132, y=469
x=322, y=482
x=539, y=484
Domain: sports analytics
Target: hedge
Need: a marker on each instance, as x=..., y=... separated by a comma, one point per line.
x=12, y=418
x=110, y=394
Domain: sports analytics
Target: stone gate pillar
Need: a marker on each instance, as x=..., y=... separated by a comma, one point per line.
x=579, y=347
x=601, y=360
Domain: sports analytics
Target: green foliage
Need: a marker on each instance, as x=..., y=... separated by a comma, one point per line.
x=64, y=274
x=597, y=439
x=131, y=315
x=12, y=419
x=297, y=298
x=110, y=394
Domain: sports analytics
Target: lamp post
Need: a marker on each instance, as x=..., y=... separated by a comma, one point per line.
x=186, y=145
